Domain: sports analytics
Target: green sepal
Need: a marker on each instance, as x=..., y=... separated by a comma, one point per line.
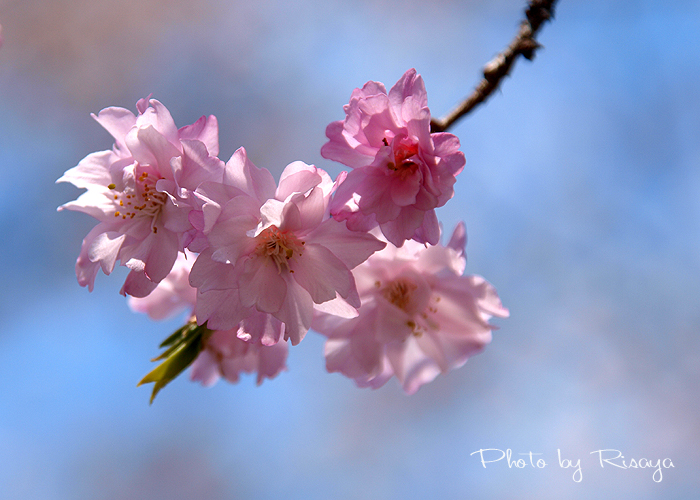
x=175, y=341
x=175, y=336
x=184, y=346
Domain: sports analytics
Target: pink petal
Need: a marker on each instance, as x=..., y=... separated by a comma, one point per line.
x=206, y=130
x=337, y=148
x=358, y=356
x=296, y=312
x=375, y=194
x=321, y=274
x=403, y=191
x=242, y=174
x=416, y=116
x=403, y=227
x=162, y=255
x=116, y=121
x=233, y=356
x=486, y=297
x=97, y=203
x=458, y=240
x=410, y=365
x=458, y=311
x=172, y=295
x=379, y=380
x=350, y=247
x=207, y=274
x=93, y=170
x=228, y=236
x=105, y=249
x=261, y=285
x=271, y=360
x=376, y=117
x=425, y=199
x=429, y=230
x=86, y=269
x=304, y=213
x=209, y=198
x=459, y=348
x=261, y=327
x=150, y=147
x=274, y=212
x=369, y=89
x=196, y=166
x=220, y=309
x=435, y=260
x=447, y=148
x=431, y=347
x=391, y=323
x=175, y=219
x=410, y=84
x=137, y=285
x=337, y=307
x=158, y=117
x=205, y=369
x=345, y=191
x=297, y=177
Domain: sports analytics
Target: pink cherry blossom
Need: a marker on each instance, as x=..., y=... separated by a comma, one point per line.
x=401, y=172
x=275, y=251
x=419, y=316
x=141, y=192
x=172, y=295
x=226, y=353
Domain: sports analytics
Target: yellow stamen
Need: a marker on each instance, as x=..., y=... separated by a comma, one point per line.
x=280, y=246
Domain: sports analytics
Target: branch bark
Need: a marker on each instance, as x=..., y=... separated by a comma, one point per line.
x=524, y=44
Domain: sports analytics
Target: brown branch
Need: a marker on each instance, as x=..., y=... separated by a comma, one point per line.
x=524, y=44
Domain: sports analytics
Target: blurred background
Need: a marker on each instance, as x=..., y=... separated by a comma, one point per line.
x=581, y=199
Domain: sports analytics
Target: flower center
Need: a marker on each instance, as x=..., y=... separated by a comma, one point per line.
x=399, y=293
x=403, y=152
x=280, y=246
x=142, y=200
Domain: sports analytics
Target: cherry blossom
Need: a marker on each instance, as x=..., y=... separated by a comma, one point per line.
x=401, y=172
x=419, y=316
x=274, y=251
x=225, y=353
x=140, y=191
x=172, y=295
x=255, y=264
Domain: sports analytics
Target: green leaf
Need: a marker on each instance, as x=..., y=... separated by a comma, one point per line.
x=184, y=346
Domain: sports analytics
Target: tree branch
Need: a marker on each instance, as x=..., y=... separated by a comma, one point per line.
x=524, y=44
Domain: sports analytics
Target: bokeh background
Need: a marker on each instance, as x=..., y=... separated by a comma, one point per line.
x=582, y=202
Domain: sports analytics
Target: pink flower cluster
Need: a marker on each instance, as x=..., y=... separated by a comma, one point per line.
x=259, y=263
x=419, y=316
x=225, y=354
x=141, y=192
x=401, y=172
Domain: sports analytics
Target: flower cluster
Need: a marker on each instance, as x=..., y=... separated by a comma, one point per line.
x=256, y=263
x=224, y=353
x=141, y=192
x=401, y=172
x=419, y=316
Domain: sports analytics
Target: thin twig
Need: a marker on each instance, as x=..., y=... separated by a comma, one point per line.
x=538, y=12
